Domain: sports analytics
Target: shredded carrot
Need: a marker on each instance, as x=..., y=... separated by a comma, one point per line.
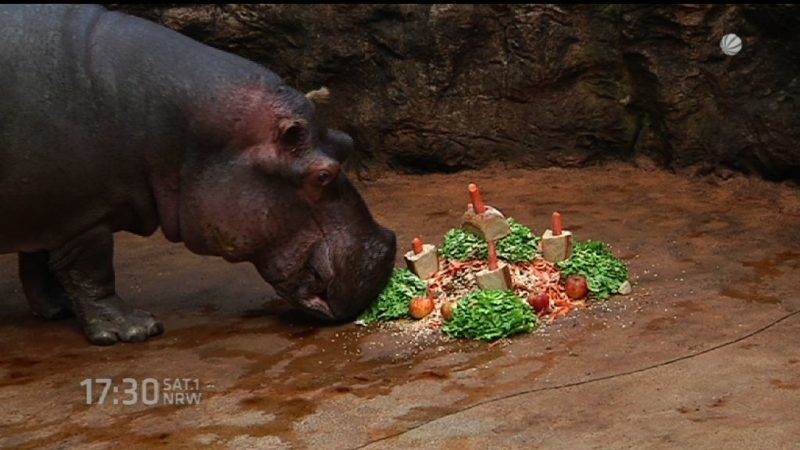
x=454, y=281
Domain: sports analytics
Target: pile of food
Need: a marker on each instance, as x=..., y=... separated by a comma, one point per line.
x=454, y=297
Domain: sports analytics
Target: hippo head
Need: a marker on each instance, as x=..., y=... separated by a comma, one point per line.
x=268, y=188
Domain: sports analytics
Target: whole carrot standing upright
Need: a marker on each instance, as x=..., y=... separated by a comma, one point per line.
x=477, y=200
x=423, y=259
x=557, y=226
x=556, y=243
x=490, y=224
x=417, y=245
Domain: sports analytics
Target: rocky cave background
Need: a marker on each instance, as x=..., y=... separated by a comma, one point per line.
x=450, y=87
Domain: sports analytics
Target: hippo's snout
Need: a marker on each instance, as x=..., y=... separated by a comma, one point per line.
x=361, y=278
x=342, y=276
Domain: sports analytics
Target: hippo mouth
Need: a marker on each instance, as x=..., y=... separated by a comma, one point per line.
x=308, y=287
x=318, y=306
x=313, y=297
x=334, y=278
x=307, y=296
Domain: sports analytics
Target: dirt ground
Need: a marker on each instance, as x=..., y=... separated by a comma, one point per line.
x=704, y=354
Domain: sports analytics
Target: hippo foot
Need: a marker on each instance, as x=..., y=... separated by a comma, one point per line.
x=111, y=320
x=50, y=309
x=51, y=303
x=45, y=294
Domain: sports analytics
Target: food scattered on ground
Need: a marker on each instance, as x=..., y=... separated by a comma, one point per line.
x=420, y=307
x=452, y=300
x=539, y=302
x=603, y=271
x=490, y=315
x=393, y=302
x=460, y=245
x=521, y=245
x=536, y=282
x=576, y=286
x=423, y=259
x=447, y=310
x=626, y=288
x=456, y=280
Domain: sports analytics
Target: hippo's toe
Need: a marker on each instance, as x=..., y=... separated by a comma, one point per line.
x=110, y=320
x=101, y=336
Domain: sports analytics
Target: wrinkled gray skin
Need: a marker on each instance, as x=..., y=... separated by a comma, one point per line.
x=109, y=123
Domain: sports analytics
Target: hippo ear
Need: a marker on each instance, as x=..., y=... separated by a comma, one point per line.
x=292, y=133
x=340, y=144
x=319, y=96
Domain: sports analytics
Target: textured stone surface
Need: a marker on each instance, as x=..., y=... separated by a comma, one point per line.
x=499, y=278
x=443, y=87
x=556, y=248
x=490, y=225
x=424, y=264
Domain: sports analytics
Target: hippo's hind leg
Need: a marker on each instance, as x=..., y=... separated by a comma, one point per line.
x=46, y=297
x=85, y=269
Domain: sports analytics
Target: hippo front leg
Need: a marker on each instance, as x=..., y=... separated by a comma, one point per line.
x=85, y=269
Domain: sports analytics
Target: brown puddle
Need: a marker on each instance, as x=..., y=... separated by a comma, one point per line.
x=689, y=306
x=707, y=418
x=720, y=402
x=783, y=385
x=750, y=297
x=704, y=226
x=596, y=326
x=661, y=323
x=769, y=266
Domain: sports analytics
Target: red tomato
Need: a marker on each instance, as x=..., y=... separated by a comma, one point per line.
x=576, y=287
x=447, y=311
x=539, y=302
x=421, y=307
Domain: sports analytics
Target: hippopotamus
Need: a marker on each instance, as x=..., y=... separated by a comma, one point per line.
x=111, y=123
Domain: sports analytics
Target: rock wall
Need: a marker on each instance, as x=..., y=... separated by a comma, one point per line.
x=449, y=87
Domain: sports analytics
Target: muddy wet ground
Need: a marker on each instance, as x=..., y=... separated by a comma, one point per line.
x=704, y=354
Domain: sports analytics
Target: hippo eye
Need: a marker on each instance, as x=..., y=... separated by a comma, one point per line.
x=324, y=177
